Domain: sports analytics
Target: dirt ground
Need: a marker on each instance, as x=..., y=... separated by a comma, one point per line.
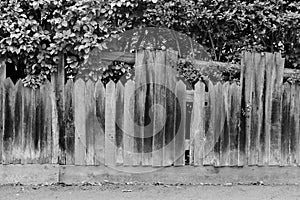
x=141, y=191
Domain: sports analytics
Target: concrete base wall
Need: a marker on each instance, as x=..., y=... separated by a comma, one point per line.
x=41, y=174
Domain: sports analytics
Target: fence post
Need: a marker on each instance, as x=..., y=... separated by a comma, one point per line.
x=58, y=81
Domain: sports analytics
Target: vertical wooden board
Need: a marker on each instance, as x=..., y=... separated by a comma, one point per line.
x=80, y=122
x=27, y=125
x=58, y=81
x=99, y=124
x=47, y=138
x=180, y=120
x=269, y=84
x=54, y=125
x=225, y=124
x=36, y=132
x=170, y=83
x=209, y=137
x=119, y=122
x=276, y=120
x=139, y=111
x=90, y=114
x=246, y=104
x=197, y=132
x=159, y=109
x=285, y=130
x=234, y=123
x=69, y=122
x=128, y=137
x=297, y=136
x=294, y=123
x=257, y=108
x=8, y=135
x=43, y=123
x=18, y=123
x=110, y=124
x=149, y=114
x=1, y=117
x=217, y=124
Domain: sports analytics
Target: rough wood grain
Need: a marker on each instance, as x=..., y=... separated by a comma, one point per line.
x=69, y=122
x=294, y=125
x=149, y=114
x=210, y=124
x=99, y=124
x=225, y=131
x=80, y=123
x=170, y=83
x=257, y=111
x=197, y=133
x=286, y=125
x=128, y=137
x=1, y=118
x=8, y=135
x=58, y=81
x=54, y=125
x=119, y=122
x=90, y=114
x=110, y=124
x=235, y=96
x=276, y=112
x=180, y=124
x=18, y=118
x=139, y=111
x=48, y=123
x=246, y=106
x=159, y=108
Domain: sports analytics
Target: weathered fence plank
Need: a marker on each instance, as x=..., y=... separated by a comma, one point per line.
x=1, y=118
x=8, y=135
x=128, y=137
x=285, y=135
x=100, y=123
x=69, y=122
x=18, y=113
x=294, y=123
x=224, y=135
x=246, y=106
x=276, y=115
x=210, y=124
x=58, y=82
x=90, y=115
x=149, y=114
x=119, y=122
x=235, y=113
x=139, y=111
x=219, y=123
x=159, y=109
x=180, y=121
x=36, y=136
x=257, y=108
x=110, y=124
x=170, y=83
x=197, y=133
x=80, y=126
x=48, y=123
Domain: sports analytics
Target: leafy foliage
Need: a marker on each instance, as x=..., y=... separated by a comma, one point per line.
x=34, y=32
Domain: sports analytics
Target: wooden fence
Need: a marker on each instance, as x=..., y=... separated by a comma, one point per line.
x=254, y=123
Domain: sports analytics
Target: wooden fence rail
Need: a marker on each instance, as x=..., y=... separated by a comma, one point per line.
x=254, y=123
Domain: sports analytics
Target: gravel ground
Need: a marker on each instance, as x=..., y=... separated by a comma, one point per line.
x=153, y=191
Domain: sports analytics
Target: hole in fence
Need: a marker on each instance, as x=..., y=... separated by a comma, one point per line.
x=187, y=157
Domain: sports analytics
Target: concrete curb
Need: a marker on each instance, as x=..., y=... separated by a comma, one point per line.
x=47, y=174
x=184, y=175
x=29, y=174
